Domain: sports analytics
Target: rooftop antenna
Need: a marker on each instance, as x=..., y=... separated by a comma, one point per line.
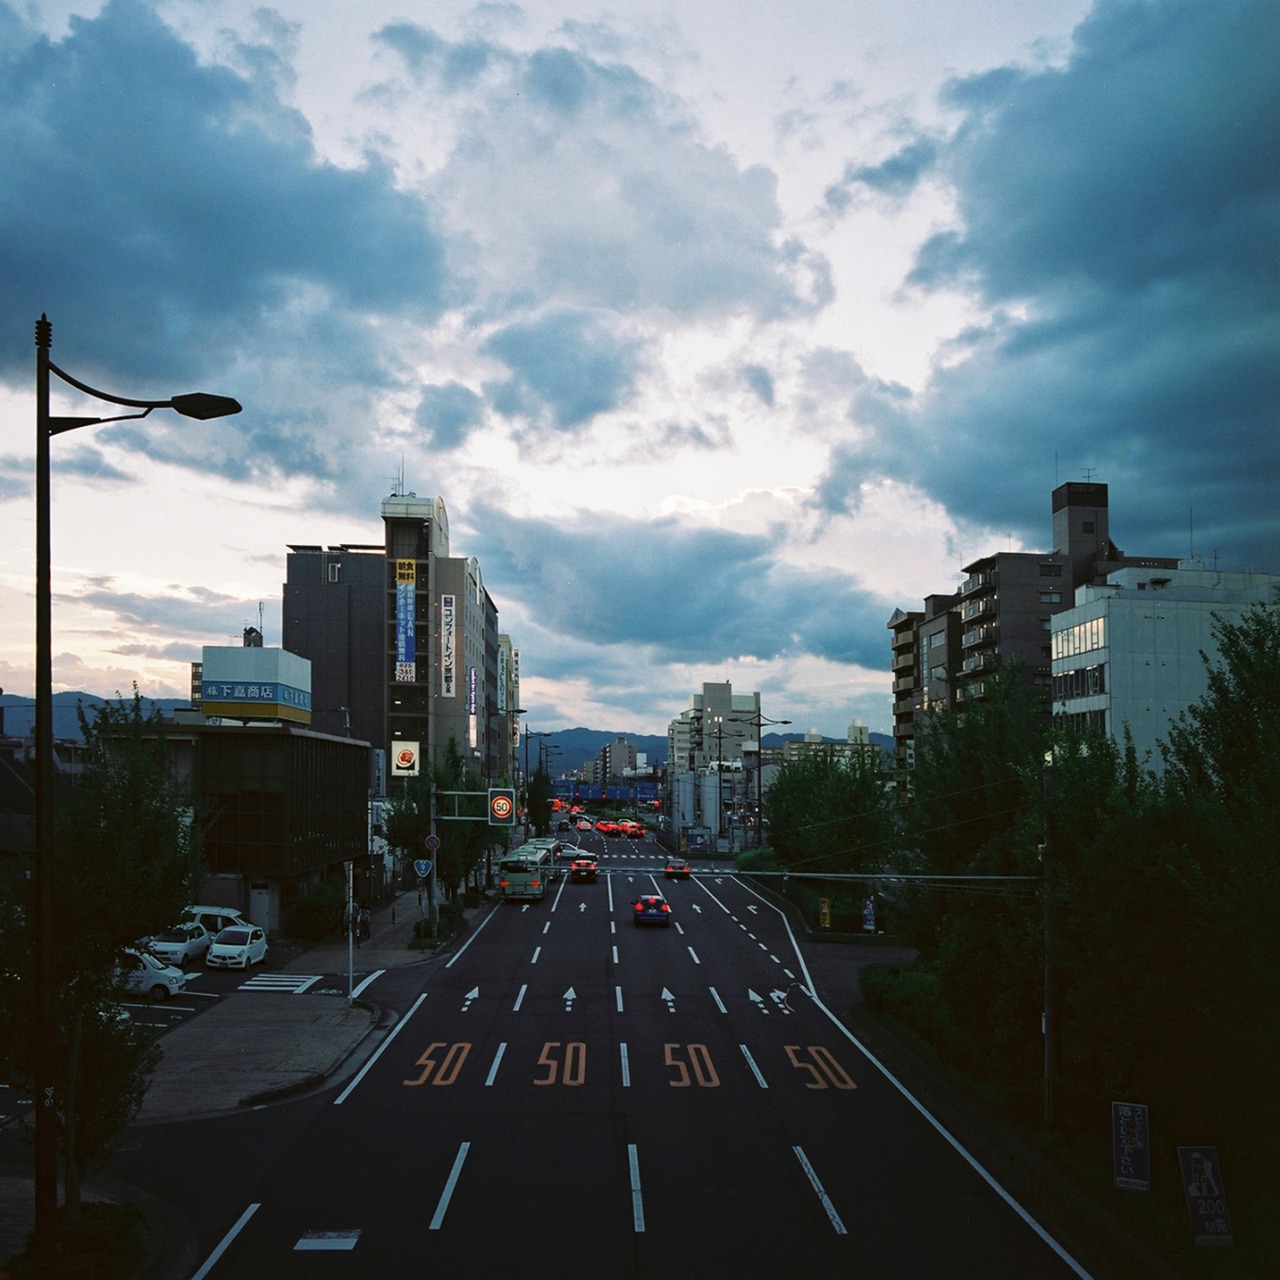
x=1089, y=474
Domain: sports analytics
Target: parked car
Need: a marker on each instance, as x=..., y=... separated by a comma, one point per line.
x=678, y=869
x=239, y=947
x=142, y=974
x=215, y=919
x=181, y=945
x=651, y=908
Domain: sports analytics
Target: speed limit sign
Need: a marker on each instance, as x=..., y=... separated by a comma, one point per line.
x=502, y=807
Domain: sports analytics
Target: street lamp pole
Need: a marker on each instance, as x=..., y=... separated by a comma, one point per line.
x=760, y=720
x=198, y=405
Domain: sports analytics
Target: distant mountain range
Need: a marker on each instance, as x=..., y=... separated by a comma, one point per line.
x=572, y=747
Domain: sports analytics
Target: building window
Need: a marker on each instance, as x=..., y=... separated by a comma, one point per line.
x=1051, y=597
x=333, y=572
x=1051, y=571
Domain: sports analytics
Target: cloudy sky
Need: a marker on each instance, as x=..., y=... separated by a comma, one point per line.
x=723, y=329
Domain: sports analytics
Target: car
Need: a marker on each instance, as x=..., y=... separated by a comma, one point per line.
x=563, y=824
x=142, y=974
x=678, y=869
x=631, y=828
x=215, y=919
x=584, y=824
x=180, y=945
x=652, y=908
x=238, y=947
x=606, y=827
x=583, y=871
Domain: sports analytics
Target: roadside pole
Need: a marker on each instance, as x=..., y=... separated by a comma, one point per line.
x=351, y=931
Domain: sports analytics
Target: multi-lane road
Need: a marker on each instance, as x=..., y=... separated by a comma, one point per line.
x=568, y=1094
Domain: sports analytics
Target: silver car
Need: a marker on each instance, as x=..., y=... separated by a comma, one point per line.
x=181, y=945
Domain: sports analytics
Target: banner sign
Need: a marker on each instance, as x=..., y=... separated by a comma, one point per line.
x=448, y=646
x=1206, y=1200
x=406, y=629
x=1130, y=1154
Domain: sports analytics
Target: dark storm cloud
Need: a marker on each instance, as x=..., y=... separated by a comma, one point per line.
x=149, y=201
x=209, y=617
x=567, y=365
x=895, y=177
x=690, y=595
x=448, y=413
x=760, y=380
x=1120, y=219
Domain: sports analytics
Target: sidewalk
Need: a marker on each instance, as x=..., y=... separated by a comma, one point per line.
x=248, y=1048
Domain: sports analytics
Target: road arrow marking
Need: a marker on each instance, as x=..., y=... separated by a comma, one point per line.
x=582, y=906
x=753, y=908
x=697, y=908
x=780, y=999
x=759, y=1002
x=569, y=997
x=470, y=996
x=670, y=999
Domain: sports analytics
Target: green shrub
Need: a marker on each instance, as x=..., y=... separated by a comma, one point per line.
x=317, y=913
x=107, y=1243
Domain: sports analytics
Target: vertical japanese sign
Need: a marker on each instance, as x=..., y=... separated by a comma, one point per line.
x=1206, y=1199
x=1130, y=1147
x=406, y=646
x=448, y=646
x=502, y=679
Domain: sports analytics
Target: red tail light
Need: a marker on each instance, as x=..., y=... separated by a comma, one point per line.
x=666, y=906
x=502, y=884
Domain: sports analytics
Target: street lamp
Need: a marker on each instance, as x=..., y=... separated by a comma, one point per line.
x=198, y=405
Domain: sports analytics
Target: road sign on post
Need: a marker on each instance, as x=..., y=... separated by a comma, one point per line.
x=502, y=807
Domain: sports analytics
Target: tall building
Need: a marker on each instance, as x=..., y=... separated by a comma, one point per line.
x=943, y=655
x=404, y=645
x=1127, y=654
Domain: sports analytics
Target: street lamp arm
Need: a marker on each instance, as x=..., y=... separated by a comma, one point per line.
x=193, y=404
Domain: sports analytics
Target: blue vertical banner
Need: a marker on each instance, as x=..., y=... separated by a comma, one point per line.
x=1130, y=1146
x=406, y=630
x=1206, y=1198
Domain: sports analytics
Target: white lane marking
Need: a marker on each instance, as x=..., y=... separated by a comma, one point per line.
x=377, y=1053
x=537, y=951
x=617, y=995
x=615, y=955
x=715, y=995
x=377, y=973
x=438, y=1217
x=823, y=1198
x=637, y=1201
x=311, y=982
x=626, y=1067
x=473, y=934
x=546, y=928
x=515, y=1008
x=493, y=1069
x=226, y=1240
x=955, y=1144
x=755, y=1071
x=694, y=954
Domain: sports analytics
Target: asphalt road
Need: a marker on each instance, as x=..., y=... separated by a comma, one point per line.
x=570, y=1094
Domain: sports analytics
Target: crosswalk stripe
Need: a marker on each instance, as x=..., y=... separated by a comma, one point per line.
x=295, y=982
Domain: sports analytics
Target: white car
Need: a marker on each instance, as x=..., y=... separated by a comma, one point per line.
x=144, y=975
x=180, y=945
x=237, y=948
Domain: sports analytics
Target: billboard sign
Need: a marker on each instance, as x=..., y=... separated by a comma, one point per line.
x=449, y=646
x=1130, y=1152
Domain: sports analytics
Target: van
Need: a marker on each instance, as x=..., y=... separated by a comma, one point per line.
x=215, y=919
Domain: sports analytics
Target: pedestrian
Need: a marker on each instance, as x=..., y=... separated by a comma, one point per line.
x=366, y=921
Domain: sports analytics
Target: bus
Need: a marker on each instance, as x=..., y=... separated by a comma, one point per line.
x=525, y=873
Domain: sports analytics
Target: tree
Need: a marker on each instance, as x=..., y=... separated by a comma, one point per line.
x=830, y=813
x=460, y=820
x=126, y=858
